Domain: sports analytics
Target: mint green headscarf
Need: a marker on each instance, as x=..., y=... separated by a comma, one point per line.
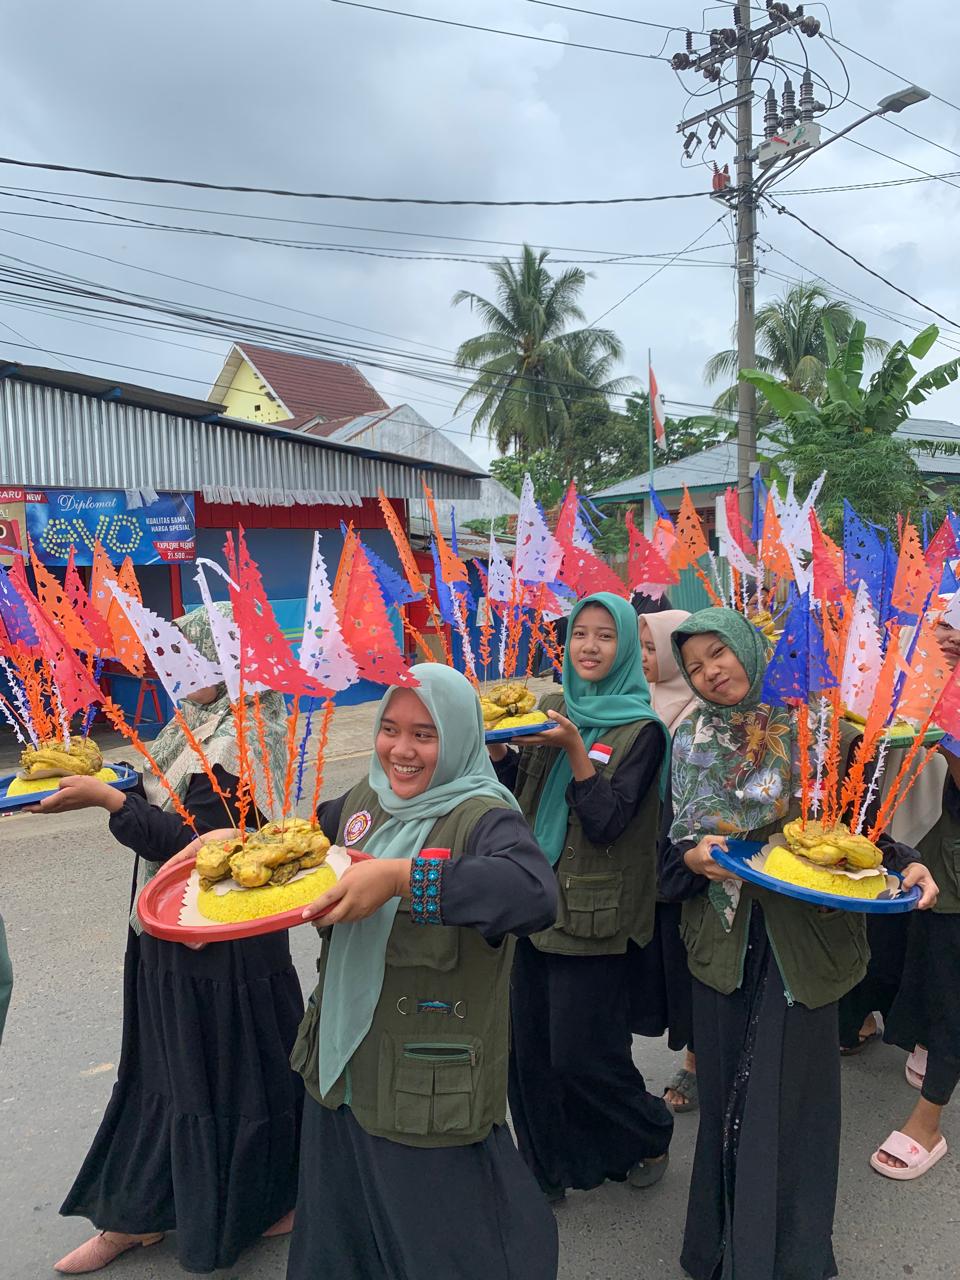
x=355, y=966
x=594, y=706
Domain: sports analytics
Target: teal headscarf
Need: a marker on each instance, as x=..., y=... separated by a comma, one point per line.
x=594, y=706
x=355, y=966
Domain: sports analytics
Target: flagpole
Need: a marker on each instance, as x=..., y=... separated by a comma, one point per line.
x=648, y=511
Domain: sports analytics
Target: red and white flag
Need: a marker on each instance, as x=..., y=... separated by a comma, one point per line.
x=659, y=412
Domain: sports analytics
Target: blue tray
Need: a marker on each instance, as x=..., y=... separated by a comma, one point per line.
x=739, y=851
x=524, y=731
x=126, y=779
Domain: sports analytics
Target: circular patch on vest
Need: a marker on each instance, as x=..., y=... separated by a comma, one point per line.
x=357, y=827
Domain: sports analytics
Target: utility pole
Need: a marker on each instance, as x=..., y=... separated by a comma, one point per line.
x=745, y=213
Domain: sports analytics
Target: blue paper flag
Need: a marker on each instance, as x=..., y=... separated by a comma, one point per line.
x=948, y=583
x=659, y=508
x=395, y=588
x=759, y=507
x=444, y=598
x=14, y=614
x=799, y=665
x=864, y=556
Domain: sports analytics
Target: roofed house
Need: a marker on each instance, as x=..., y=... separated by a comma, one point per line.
x=285, y=388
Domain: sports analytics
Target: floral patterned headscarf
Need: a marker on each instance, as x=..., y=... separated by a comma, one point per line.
x=732, y=766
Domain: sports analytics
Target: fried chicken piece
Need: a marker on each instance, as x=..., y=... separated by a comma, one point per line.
x=213, y=859
x=54, y=759
x=282, y=875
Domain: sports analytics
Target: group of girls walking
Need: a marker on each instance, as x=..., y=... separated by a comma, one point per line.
x=517, y=920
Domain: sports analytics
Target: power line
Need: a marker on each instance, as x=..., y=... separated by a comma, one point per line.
x=889, y=283
x=870, y=186
x=613, y=17
x=196, y=184
x=517, y=35
x=880, y=67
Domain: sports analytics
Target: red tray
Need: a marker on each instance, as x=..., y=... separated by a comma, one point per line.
x=161, y=898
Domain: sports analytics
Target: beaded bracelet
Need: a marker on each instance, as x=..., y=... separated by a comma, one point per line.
x=426, y=884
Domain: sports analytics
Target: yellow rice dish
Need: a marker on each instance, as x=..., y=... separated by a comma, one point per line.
x=30, y=786
x=251, y=904
x=521, y=722
x=782, y=864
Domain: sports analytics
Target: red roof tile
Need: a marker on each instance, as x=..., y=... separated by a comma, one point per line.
x=310, y=385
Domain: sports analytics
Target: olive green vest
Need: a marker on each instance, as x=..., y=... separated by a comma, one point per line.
x=821, y=955
x=432, y=1069
x=608, y=893
x=940, y=851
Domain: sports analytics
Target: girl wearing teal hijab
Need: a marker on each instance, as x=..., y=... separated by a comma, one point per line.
x=591, y=788
x=408, y=1170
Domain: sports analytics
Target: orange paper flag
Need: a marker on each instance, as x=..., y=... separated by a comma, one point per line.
x=689, y=528
x=772, y=551
x=913, y=582
x=54, y=599
x=400, y=541
x=367, y=628
x=451, y=566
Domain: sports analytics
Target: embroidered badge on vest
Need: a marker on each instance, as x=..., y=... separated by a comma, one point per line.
x=357, y=827
x=600, y=753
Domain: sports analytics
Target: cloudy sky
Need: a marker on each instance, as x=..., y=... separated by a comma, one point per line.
x=315, y=95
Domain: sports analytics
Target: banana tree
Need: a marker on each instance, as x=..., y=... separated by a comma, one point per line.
x=851, y=431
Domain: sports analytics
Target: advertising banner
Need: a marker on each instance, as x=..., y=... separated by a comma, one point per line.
x=160, y=532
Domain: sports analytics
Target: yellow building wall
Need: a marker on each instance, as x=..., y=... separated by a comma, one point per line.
x=249, y=397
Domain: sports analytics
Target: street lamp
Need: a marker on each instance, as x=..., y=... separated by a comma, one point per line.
x=897, y=102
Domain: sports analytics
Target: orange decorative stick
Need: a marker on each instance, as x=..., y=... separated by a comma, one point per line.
x=262, y=740
x=321, y=753
x=116, y=717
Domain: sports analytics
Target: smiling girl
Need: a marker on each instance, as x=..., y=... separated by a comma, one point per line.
x=408, y=1170
x=590, y=789
x=767, y=973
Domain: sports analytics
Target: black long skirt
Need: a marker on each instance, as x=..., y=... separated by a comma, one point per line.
x=661, y=997
x=764, y=1182
x=887, y=936
x=201, y=1133
x=927, y=1008
x=580, y=1108
x=371, y=1209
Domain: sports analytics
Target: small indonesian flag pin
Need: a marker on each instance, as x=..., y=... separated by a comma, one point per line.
x=600, y=753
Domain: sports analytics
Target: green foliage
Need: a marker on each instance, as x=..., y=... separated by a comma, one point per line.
x=850, y=432
x=799, y=336
x=531, y=366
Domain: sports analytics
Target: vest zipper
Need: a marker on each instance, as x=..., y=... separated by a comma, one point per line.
x=788, y=994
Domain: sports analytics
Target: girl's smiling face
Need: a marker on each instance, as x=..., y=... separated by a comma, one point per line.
x=648, y=653
x=407, y=745
x=714, y=669
x=593, y=643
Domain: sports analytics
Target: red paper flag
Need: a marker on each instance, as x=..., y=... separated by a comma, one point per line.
x=74, y=686
x=93, y=622
x=912, y=584
x=646, y=565
x=735, y=522
x=581, y=570
x=942, y=546
x=367, y=629
x=266, y=658
x=828, y=582
x=946, y=713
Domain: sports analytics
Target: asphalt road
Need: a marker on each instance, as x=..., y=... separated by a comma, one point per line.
x=63, y=892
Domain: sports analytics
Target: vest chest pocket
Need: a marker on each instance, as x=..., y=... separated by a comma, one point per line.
x=591, y=904
x=434, y=1085
x=412, y=946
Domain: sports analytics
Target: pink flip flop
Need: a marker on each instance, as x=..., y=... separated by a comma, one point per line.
x=917, y=1158
x=916, y=1067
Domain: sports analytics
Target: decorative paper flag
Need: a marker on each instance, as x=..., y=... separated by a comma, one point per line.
x=367, y=629
x=126, y=647
x=799, y=668
x=539, y=555
x=658, y=410
x=14, y=614
x=499, y=583
x=827, y=564
x=324, y=653
x=759, y=507
x=862, y=656
x=949, y=581
x=181, y=668
x=54, y=599
x=265, y=655
x=942, y=547
x=647, y=570
x=454, y=570
x=74, y=686
x=863, y=555
x=772, y=551
x=664, y=539
x=404, y=550
x=661, y=511
x=913, y=584
x=226, y=633
x=731, y=506
x=690, y=535
x=730, y=548
x=946, y=713
x=94, y=623
x=462, y=589
x=927, y=675
x=396, y=590
x=580, y=570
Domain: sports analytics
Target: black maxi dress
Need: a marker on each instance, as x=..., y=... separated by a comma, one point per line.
x=580, y=1107
x=927, y=1008
x=764, y=1183
x=372, y=1209
x=201, y=1133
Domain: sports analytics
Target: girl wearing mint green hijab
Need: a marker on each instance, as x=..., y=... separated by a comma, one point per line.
x=591, y=788
x=408, y=1170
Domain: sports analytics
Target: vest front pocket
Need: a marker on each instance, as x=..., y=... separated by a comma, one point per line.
x=591, y=904
x=417, y=946
x=434, y=1086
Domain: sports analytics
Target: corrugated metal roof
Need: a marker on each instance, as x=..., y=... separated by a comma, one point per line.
x=58, y=438
x=716, y=467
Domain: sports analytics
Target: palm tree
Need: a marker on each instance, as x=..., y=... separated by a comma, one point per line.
x=530, y=366
x=792, y=343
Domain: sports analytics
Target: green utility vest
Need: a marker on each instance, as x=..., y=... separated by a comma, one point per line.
x=821, y=955
x=432, y=1069
x=608, y=893
x=940, y=851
